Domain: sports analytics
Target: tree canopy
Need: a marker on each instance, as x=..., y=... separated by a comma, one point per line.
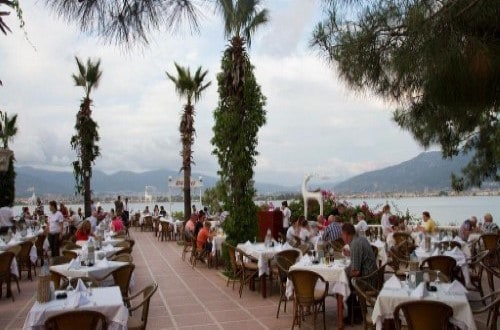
x=437, y=61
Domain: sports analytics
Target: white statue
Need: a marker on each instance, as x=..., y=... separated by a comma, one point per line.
x=314, y=195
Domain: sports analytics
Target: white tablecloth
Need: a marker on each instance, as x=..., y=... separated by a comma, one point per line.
x=261, y=253
x=107, y=241
x=105, y=300
x=388, y=299
x=334, y=274
x=84, y=271
x=217, y=243
x=104, y=252
x=175, y=223
x=33, y=254
x=459, y=256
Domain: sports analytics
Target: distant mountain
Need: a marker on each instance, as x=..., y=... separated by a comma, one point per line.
x=426, y=171
x=123, y=182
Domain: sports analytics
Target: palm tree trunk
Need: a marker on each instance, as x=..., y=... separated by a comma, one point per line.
x=187, y=191
x=87, y=196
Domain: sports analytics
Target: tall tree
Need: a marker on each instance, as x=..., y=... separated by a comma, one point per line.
x=438, y=61
x=128, y=21
x=238, y=117
x=8, y=130
x=84, y=142
x=190, y=87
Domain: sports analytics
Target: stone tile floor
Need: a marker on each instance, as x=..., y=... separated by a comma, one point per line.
x=186, y=298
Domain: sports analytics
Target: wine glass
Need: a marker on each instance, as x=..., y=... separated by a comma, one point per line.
x=407, y=273
x=437, y=277
x=89, y=287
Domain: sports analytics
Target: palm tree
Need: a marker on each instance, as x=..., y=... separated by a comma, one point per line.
x=86, y=137
x=190, y=87
x=8, y=130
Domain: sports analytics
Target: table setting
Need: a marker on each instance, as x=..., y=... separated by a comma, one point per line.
x=395, y=292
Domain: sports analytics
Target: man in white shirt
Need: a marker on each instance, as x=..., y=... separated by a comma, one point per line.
x=93, y=220
x=361, y=226
x=286, y=216
x=6, y=216
x=385, y=222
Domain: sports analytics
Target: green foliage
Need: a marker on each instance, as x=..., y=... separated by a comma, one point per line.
x=190, y=87
x=212, y=197
x=84, y=142
x=8, y=185
x=439, y=62
x=178, y=215
x=8, y=128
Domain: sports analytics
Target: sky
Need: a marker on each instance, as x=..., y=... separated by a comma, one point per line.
x=315, y=123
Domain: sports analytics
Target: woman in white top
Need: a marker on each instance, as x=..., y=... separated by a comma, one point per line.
x=293, y=232
x=385, y=222
x=55, y=220
x=361, y=226
x=305, y=232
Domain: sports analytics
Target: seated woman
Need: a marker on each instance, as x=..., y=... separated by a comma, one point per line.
x=117, y=224
x=305, y=231
x=84, y=232
x=293, y=233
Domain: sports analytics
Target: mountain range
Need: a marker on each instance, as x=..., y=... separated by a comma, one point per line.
x=427, y=171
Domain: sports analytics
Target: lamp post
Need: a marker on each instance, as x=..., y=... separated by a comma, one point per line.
x=170, y=193
x=201, y=185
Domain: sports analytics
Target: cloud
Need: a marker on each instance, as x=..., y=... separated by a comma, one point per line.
x=314, y=122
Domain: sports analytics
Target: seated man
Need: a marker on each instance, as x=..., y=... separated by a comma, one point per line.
x=429, y=224
x=332, y=232
x=489, y=227
x=363, y=261
x=467, y=228
x=203, y=238
x=189, y=228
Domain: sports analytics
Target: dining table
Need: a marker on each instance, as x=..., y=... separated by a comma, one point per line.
x=106, y=300
x=390, y=297
x=333, y=273
x=18, y=240
x=264, y=255
x=96, y=271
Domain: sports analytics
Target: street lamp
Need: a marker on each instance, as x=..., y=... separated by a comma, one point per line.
x=170, y=193
x=201, y=185
x=5, y=155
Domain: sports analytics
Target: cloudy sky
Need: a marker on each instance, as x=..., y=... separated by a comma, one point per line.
x=314, y=122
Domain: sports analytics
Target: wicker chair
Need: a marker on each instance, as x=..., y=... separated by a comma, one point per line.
x=449, y=245
x=188, y=244
x=86, y=280
x=16, y=249
x=40, y=239
x=444, y=264
x=60, y=281
x=148, y=223
x=156, y=226
x=136, y=220
x=306, y=295
x=69, y=254
x=283, y=264
x=5, y=274
x=140, y=323
x=400, y=264
x=200, y=254
x=59, y=260
x=491, y=304
x=491, y=243
x=476, y=272
x=77, y=320
x=423, y=315
x=234, y=266
x=366, y=300
x=71, y=246
x=131, y=242
x=337, y=245
x=400, y=237
x=23, y=259
x=121, y=276
x=249, y=269
x=291, y=255
x=167, y=230
x=491, y=273
x=122, y=257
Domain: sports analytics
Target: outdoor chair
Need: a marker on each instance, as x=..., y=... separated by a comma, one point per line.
x=5, y=273
x=200, y=254
x=125, y=250
x=16, y=249
x=234, y=265
x=156, y=226
x=59, y=260
x=491, y=273
x=423, y=315
x=60, y=281
x=70, y=254
x=433, y=275
x=131, y=242
x=148, y=223
x=491, y=304
x=188, y=244
x=249, y=269
x=367, y=299
x=122, y=257
x=307, y=295
x=23, y=259
x=399, y=264
x=444, y=264
x=135, y=322
x=123, y=244
x=283, y=264
x=135, y=221
x=40, y=253
x=86, y=280
x=400, y=237
x=71, y=246
x=167, y=230
x=449, y=245
x=291, y=255
x=476, y=272
x=77, y=320
x=337, y=245
x=491, y=243
x=121, y=277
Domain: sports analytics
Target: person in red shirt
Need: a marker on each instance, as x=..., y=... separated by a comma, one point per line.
x=202, y=240
x=64, y=210
x=84, y=232
x=117, y=224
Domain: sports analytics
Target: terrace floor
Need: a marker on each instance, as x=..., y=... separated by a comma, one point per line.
x=186, y=298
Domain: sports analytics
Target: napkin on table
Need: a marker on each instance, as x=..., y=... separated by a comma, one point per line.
x=107, y=248
x=78, y=299
x=103, y=262
x=74, y=264
x=247, y=244
x=457, y=288
x=455, y=250
x=80, y=287
x=420, y=291
x=2, y=243
x=12, y=241
x=393, y=283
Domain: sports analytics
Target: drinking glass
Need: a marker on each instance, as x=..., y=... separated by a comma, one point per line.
x=327, y=261
x=437, y=277
x=89, y=287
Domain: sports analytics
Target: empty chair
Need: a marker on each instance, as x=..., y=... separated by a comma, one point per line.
x=59, y=260
x=307, y=295
x=234, y=265
x=423, y=315
x=140, y=322
x=491, y=304
x=122, y=257
x=444, y=264
x=77, y=320
x=70, y=254
x=71, y=246
x=24, y=262
x=400, y=237
x=121, y=276
x=491, y=244
x=366, y=300
x=148, y=223
x=60, y=281
x=283, y=264
x=5, y=273
x=249, y=269
x=491, y=273
x=40, y=239
x=476, y=272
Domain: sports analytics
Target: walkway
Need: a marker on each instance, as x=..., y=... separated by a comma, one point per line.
x=186, y=298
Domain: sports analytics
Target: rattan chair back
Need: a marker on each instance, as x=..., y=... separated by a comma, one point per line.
x=77, y=320
x=400, y=237
x=366, y=299
x=122, y=276
x=304, y=284
x=423, y=315
x=291, y=255
x=69, y=254
x=147, y=293
x=445, y=264
x=59, y=260
x=123, y=257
